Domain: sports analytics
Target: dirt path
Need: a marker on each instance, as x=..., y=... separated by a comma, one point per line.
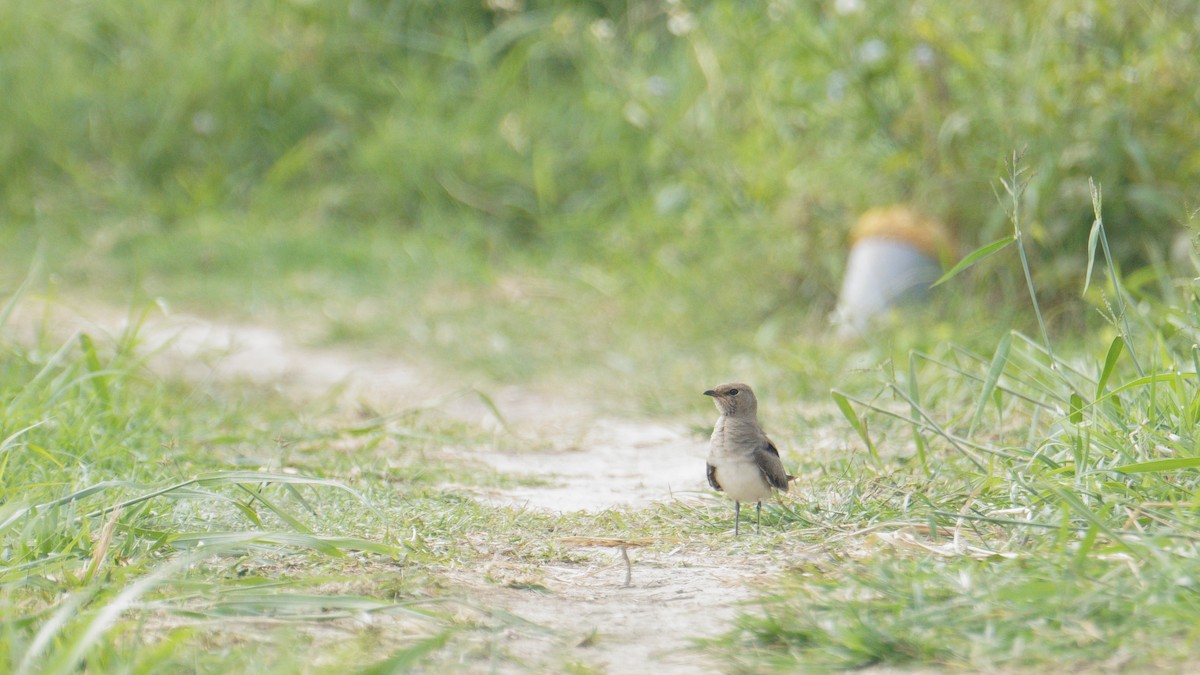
x=591, y=463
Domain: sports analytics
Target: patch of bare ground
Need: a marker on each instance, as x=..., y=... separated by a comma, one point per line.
x=679, y=592
x=674, y=598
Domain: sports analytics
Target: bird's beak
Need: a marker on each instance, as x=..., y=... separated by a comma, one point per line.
x=710, y=392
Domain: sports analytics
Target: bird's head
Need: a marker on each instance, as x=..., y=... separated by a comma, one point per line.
x=734, y=398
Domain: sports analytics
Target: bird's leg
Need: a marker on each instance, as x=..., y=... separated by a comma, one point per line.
x=758, y=520
x=628, y=567
x=737, y=509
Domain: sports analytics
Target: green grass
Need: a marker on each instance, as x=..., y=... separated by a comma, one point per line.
x=1015, y=512
x=1014, y=503
x=1029, y=506
x=595, y=184
x=152, y=523
x=627, y=201
x=646, y=138
x=961, y=613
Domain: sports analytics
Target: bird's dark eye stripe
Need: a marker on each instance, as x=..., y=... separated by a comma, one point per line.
x=733, y=392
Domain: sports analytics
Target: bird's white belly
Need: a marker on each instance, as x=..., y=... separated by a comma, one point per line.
x=742, y=481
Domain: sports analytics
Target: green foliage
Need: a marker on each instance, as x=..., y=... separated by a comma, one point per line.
x=970, y=614
x=1054, y=520
x=143, y=521
x=643, y=187
x=636, y=131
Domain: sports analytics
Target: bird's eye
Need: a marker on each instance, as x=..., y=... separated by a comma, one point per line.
x=733, y=392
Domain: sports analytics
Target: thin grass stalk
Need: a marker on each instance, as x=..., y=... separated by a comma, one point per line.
x=1015, y=185
x=1113, y=277
x=979, y=380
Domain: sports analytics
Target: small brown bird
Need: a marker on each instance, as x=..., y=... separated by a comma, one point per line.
x=742, y=462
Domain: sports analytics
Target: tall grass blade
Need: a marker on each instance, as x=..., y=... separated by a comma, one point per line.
x=1160, y=465
x=49, y=366
x=37, y=508
x=15, y=298
x=1113, y=277
x=1075, y=416
x=1015, y=186
x=999, y=360
x=100, y=550
x=295, y=493
x=98, y=376
x=1094, y=235
x=492, y=408
x=1110, y=362
x=1085, y=546
x=914, y=393
x=938, y=429
x=286, y=517
x=1152, y=380
x=972, y=258
x=1037, y=308
x=335, y=546
x=855, y=421
x=10, y=442
x=214, y=480
x=409, y=657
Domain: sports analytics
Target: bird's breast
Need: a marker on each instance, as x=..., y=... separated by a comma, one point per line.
x=741, y=479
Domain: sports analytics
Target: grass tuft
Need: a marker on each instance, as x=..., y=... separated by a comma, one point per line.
x=1050, y=521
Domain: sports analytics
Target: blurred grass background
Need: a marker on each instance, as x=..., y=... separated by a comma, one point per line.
x=642, y=197
x=672, y=169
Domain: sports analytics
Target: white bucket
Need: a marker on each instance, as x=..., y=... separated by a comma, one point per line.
x=881, y=273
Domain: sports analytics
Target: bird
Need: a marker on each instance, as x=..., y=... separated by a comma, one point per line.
x=742, y=462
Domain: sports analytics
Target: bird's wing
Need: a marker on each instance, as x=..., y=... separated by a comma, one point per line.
x=767, y=458
x=712, y=478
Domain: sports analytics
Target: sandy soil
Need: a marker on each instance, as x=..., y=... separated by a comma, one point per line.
x=590, y=462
